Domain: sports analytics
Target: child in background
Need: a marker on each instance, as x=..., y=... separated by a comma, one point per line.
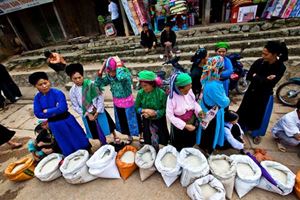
x=44, y=144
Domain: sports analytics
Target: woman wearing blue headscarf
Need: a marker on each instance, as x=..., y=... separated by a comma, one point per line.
x=213, y=95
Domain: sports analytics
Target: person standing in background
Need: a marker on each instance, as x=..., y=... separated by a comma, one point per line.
x=115, y=17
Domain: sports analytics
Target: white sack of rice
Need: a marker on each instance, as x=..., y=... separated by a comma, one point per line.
x=248, y=174
x=48, y=168
x=169, y=160
x=166, y=164
x=206, y=188
x=128, y=157
x=147, y=157
x=17, y=168
x=244, y=170
x=74, y=168
x=194, y=165
x=102, y=163
x=283, y=176
x=224, y=169
x=207, y=191
x=144, y=159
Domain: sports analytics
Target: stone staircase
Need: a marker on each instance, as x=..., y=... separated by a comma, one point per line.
x=247, y=39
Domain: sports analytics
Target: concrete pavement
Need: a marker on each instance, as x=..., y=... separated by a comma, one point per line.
x=20, y=117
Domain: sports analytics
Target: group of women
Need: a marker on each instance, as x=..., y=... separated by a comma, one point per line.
x=146, y=114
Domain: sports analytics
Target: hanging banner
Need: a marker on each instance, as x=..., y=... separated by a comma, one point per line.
x=246, y=13
x=8, y=6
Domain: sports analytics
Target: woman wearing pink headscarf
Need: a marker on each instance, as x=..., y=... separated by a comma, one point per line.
x=119, y=79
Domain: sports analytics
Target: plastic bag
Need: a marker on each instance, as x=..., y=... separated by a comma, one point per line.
x=194, y=165
x=196, y=191
x=74, y=168
x=103, y=163
x=226, y=174
x=125, y=169
x=144, y=159
x=169, y=174
x=275, y=169
x=243, y=182
x=21, y=170
x=48, y=167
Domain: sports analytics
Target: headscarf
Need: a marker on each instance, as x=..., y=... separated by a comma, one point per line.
x=112, y=63
x=219, y=45
x=211, y=69
x=179, y=80
x=36, y=76
x=89, y=92
x=200, y=54
x=149, y=76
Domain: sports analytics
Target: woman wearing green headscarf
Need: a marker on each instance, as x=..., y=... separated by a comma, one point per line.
x=150, y=103
x=183, y=111
x=221, y=50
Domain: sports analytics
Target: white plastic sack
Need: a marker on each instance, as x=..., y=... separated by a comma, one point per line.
x=74, y=168
x=48, y=167
x=224, y=169
x=144, y=159
x=244, y=182
x=194, y=165
x=207, y=187
x=283, y=176
x=103, y=163
x=169, y=170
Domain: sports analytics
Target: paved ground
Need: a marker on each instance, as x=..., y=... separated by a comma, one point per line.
x=20, y=118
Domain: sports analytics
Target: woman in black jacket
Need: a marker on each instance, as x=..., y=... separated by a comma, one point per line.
x=168, y=39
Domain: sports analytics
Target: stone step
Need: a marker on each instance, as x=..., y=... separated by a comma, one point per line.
x=21, y=78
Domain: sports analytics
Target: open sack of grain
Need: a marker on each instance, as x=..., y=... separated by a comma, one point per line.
x=125, y=161
x=144, y=159
x=166, y=163
x=224, y=169
x=74, y=168
x=194, y=165
x=206, y=188
x=248, y=174
x=103, y=163
x=48, y=167
x=284, y=178
x=20, y=170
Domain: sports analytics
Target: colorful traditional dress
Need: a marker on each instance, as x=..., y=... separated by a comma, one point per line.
x=155, y=130
x=68, y=133
x=226, y=73
x=213, y=95
x=124, y=108
x=88, y=99
x=182, y=110
x=257, y=105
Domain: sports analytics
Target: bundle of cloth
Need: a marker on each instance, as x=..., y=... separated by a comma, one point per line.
x=178, y=7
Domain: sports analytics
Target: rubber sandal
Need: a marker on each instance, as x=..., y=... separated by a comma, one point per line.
x=128, y=141
x=281, y=147
x=257, y=140
x=141, y=140
x=16, y=146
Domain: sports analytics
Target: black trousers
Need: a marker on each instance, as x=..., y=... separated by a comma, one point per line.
x=119, y=26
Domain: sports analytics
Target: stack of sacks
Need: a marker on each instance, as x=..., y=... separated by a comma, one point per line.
x=178, y=7
x=194, y=165
x=125, y=161
x=144, y=159
x=48, y=167
x=74, y=168
x=248, y=174
x=21, y=170
x=224, y=169
x=207, y=187
x=284, y=178
x=103, y=163
x=166, y=164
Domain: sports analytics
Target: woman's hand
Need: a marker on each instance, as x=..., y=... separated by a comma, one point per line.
x=201, y=115
x=45, y=111
x=91, y=117
x=190, y=127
